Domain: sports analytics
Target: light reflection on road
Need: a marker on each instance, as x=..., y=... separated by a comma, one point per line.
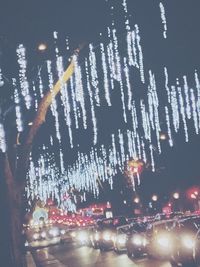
x=68, y=256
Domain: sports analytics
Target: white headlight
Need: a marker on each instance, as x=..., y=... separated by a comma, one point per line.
x=73, y=234
x=54, y=232
x=62, y=232
x=137, y=240
x=82, y=237
x=107, y=236
x=188, y=242
x=96, y=236
x=43, y=234
x=36, y=236
x=164, y=241
x=121, y=240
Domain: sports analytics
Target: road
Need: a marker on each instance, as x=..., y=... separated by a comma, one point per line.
x=70, y=256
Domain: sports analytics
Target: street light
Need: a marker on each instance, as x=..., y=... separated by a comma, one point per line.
x=136, y=200
x=42, y=47
x=176, y=195
x=154, y=197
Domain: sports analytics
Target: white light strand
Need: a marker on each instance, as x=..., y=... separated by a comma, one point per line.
x=93, y=72
x=163, y=18
x=182, y=110
x=194, y=111
x=140, y=53
x=79, y=92
x=174, y=106
x=128, y=84
x=105, y=74
x=2, y=138
x=166, y=84
x=94, y=120
x=24, y=85
x=169, y=131
x=19, y=121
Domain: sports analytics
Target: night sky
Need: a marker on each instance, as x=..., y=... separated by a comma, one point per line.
x=32, y=22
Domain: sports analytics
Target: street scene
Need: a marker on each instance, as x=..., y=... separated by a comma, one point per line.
x=99, y=133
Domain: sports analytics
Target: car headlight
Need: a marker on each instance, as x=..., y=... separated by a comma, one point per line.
x=36, y=236
x=96, y=236
x=164, y=241
x=54, y=232
x=137, y=240
x=43, y=234
x=188, y=242
x=107, y=236
x=73, y=234
x=121, y=240
x=82, y=236
x=62, y=232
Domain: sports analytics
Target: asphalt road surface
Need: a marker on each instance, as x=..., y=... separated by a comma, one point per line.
x=69, y=256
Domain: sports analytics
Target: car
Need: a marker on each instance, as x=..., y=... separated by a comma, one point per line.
x=186, y=242
x=159, y=241
x=103, y=236
x=120, y=238
x=136, y=244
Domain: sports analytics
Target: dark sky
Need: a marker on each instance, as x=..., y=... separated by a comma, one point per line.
x=31, y=22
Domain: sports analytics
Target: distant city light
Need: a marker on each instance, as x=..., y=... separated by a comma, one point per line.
x=193, y=196
x=154, y=197
x=163, y=136
x=136, y=200
x=42, y=47
x=176, y=195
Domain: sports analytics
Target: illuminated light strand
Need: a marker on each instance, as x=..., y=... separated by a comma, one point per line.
x=130, y=145
x=134, y=50
x=121, y=143
x=74, y=101
x=105, y=74
x=24, y=85
x=124, y=4
x=140, y=54
x=144, y=156
x=94, y=121
x=62, y=162
x=134, y=119
x=198, y=95
x=194, y=111
x=41, y=87
x=93, y=72
x=53, y=105
x=144, y=119
x=152, y=158
x=65, y=99
x=168, y=126
x=186, y=91
x=164, y=20
x=138, y=146
x=35, y=97
x=118, y=72
x=182, y=110
x=19, y=121
x=79, y=92
x=155, y=104
x=174, y=106
x=1, y=78
x=128, y=85
x=166, y=84
x=2, y=138
x=111, y=63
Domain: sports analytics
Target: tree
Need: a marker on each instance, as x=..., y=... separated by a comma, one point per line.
x=13, y=179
